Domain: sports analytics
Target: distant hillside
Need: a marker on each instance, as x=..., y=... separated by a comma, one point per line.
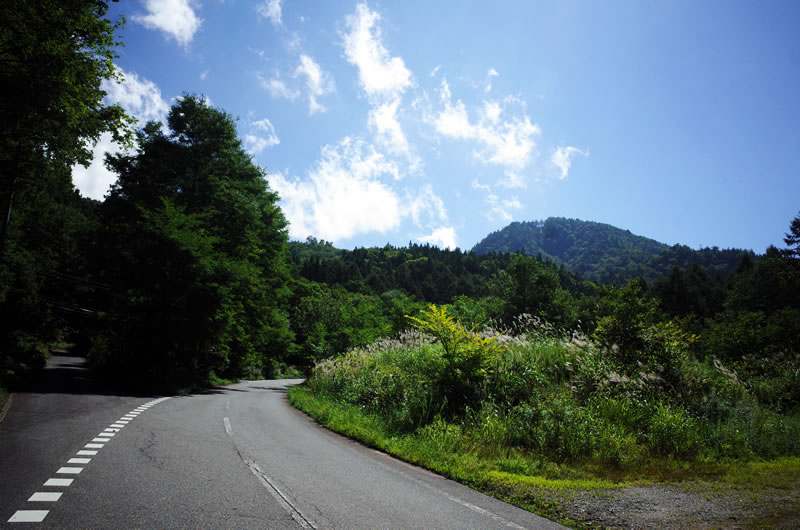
x=604, y=253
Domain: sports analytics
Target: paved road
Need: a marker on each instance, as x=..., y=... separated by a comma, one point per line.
x=235, y=457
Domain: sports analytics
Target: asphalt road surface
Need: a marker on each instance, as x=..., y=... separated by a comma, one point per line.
x=76, y=454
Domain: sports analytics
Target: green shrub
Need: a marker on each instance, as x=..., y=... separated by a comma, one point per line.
x=673, y=432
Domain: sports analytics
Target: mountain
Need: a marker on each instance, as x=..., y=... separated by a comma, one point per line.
x=604, y=253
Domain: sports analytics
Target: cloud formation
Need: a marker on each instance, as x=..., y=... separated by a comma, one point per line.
x=277, y=88
x=379, y=73
x=444, y=237
x=562, y=159
x=343, y=196
x=270, y=9
x=262, y=135
x=505, y=142
x=318, y=82
x=141, y=99
x=176, y=18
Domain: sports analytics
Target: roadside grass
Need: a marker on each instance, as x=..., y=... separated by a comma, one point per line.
x=4, y=397
x=526, y=480
x=534, y=492
x=540, y=416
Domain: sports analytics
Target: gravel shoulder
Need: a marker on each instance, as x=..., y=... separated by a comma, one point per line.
x=695, y=504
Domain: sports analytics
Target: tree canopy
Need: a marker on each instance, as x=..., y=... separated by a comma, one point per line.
x=195, y=248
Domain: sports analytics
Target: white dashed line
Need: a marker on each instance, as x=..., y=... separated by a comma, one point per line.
x=90, y=449
x=45, y=496
x=70, y=470
x=59, y=482
x=227, y=422
x=29, y=516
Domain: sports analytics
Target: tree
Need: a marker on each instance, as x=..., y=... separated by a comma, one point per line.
x=196, y=250
x=792, y=238
x=54, y=56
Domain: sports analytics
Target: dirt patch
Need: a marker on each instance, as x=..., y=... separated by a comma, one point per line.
x=688, y=505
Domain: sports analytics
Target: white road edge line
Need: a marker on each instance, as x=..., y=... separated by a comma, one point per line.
x=279, y=496
x=501, y=520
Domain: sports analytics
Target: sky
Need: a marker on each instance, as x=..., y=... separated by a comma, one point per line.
x=440, y=122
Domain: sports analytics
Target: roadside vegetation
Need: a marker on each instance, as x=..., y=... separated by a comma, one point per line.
x=536, y=414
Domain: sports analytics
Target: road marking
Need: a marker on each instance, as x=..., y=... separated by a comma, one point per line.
x=37, y=516
x=498, y=519
x=29, y=516
x=282, y=499
x=59, y=482
x=227, y=422
x=45, y=496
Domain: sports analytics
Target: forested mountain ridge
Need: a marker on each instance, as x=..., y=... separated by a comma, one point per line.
x=604, y=253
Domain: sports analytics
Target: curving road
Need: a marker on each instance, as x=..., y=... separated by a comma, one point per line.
x=76, y=454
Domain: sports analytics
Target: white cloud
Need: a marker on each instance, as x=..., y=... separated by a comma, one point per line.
x=342, y=196
x=203, y=75
x=489, y=75
x=444, y=237
x=435, y=71
x=425, y=207
x=508, y=142
x=501, y=209
x=562, y=159
x=176, y=18
x=478, y=186
x=380, y=74
x=255, y=143
x=278, y=89
x=141, y=99
x=270, y=9
x=95, y=180
x=383, y=118
x=491, y=111
x=512, y=179
x=318, y=82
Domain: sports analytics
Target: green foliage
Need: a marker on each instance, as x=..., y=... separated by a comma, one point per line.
x=54, y=57
x=195, y=246
x=469, y=358
x=603, y=253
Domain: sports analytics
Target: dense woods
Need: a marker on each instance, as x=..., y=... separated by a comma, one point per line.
x=184, y=276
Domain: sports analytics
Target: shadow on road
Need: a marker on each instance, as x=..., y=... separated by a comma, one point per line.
x=67, y=374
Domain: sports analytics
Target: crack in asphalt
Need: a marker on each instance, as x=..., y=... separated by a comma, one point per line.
x=284, y=500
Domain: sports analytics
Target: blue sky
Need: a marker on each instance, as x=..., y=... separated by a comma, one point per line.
x=390, y=122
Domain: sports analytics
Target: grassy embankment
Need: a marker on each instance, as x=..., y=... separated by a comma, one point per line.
x=535, y=417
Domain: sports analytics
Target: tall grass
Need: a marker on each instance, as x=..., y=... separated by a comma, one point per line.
x=546, y=396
